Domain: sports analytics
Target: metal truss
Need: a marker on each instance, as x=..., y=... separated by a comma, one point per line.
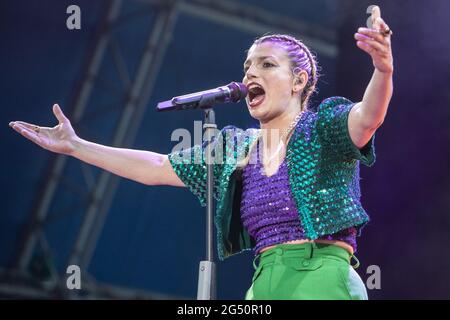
x=137, y=89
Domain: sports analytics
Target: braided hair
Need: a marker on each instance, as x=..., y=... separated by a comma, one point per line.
x=301, y=59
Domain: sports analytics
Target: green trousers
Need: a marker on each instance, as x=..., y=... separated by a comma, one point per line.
x=311, y=271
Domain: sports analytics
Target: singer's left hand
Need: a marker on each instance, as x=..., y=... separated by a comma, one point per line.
x=375, y=44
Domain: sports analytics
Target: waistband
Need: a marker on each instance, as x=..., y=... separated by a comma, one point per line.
x=306, y=250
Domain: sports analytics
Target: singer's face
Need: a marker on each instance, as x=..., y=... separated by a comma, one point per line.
x=269, y=78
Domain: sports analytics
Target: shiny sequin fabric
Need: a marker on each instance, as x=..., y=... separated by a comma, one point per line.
x=323, y=169
x=268, y=211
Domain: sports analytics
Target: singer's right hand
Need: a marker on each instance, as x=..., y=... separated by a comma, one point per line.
x=60, y=139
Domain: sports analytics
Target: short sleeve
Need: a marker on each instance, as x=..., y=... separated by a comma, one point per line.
x=191, y=169
x=190, y=165
x=332, y=127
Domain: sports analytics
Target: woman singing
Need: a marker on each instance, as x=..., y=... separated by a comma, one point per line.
x=292, y=194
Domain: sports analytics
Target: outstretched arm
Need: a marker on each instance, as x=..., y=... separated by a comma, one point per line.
x=367, y=115
x=142, y=166
x=146, y=167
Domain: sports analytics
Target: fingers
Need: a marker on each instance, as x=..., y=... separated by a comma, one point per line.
x=20, y=126
x=384, y=27
x=377, y=22
x=26, y=132
x=376, y=13
x=365, y=42
x=371, y=46
x=28, y=126
x=366, y=47
x=59, y=114
x=374, y=38
x=24, y=124
x=373, y=34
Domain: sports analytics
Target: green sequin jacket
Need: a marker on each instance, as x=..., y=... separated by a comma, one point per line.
x=323, y=167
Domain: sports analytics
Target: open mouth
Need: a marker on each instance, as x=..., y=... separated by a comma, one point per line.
x=256, y=95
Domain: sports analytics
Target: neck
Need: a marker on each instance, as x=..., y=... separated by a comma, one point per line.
x=274, y=128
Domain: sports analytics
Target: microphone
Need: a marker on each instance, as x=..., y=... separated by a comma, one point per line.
x=233, y=92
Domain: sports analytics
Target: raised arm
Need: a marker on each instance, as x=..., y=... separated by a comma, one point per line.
x=368, y=115
x=146, y=167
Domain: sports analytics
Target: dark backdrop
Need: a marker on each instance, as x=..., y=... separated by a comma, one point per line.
x=153, y=236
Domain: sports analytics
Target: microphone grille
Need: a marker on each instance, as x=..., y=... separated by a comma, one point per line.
x=238, y=91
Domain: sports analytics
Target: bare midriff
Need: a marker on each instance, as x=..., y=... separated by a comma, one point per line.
x=338, y=243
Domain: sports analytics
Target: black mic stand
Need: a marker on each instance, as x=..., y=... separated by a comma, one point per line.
x=207, y=269
x=206, y=100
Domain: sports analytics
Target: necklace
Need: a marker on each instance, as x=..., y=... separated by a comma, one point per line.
x=284, y=135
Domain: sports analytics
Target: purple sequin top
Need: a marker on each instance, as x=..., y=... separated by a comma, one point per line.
x=268, y=210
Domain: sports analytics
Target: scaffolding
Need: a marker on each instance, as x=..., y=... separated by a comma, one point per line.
x=136, y=90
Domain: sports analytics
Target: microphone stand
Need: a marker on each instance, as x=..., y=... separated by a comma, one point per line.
x=207, y=269
x=233, y=92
